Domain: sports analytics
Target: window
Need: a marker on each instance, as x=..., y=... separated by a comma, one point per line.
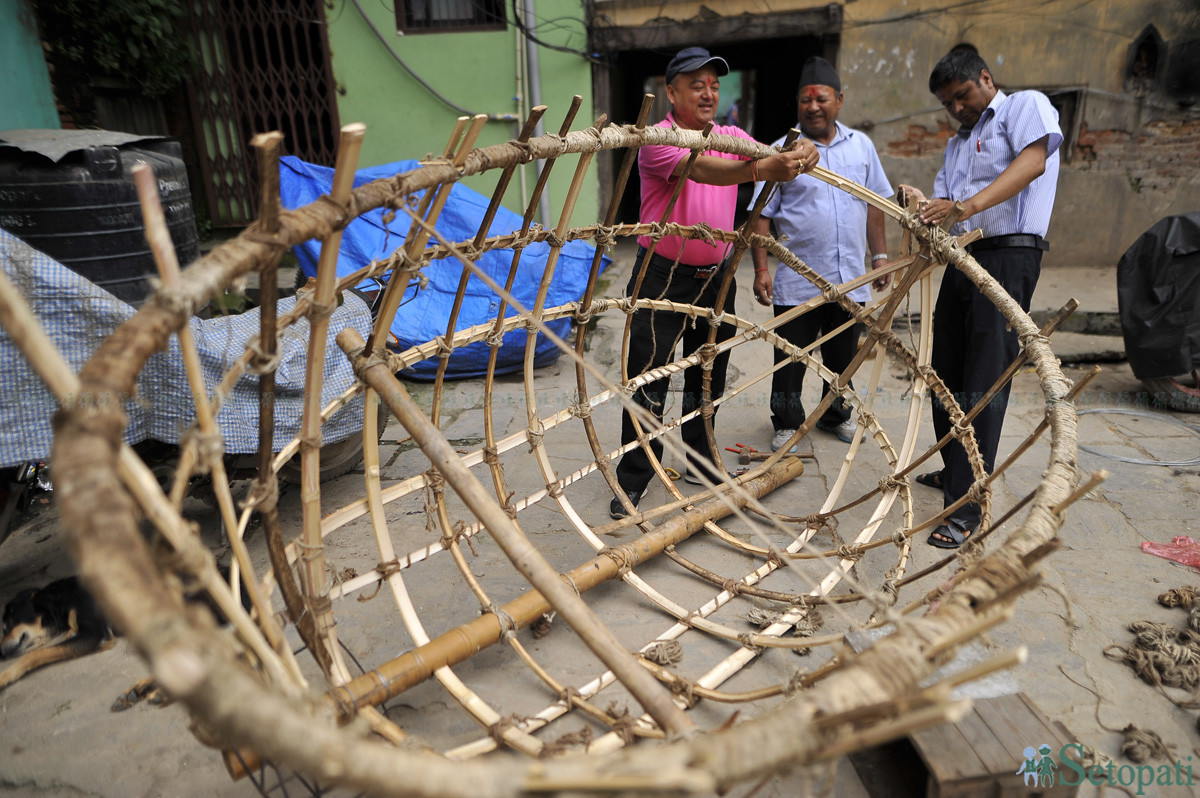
x=441, y=16
x=1145, y=61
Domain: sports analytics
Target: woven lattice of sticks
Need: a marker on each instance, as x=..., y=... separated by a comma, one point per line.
x=613, y=652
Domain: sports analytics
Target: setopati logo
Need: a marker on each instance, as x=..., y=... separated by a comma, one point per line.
x=1042, y=768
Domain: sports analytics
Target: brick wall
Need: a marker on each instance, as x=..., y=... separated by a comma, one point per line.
x=1156, y=158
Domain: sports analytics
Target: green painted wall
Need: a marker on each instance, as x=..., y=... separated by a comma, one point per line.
x=477, y=71
x=26, y=100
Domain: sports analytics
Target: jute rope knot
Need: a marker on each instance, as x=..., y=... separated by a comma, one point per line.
x=664, y=652
x=378, y=357
x=747, y=641
x=762, y=617
x=1141, y=745
x=899, y=537
x=318, y=311
x=1180, y=597
x=715, y=320
x=535, y=436
x=491, y=455
x=1033, y=337
x=685, y=690
x=495, y=338
x=626, y=304
x=961, y=429
x=497, y=730
x=582, y=316
x=542, y=626
x=703, y=232
x=209, y=447
x=657, y=231
x=263, y=494
x=508, y=626
x=525, y=149
x=849, y=552
x=892, y=482
x=619, y=555
x=435, y=480
x=444, y=348
x=173, y=301
x=795, y=682
x=978, y=491
x=732, y=586
x=605, y=236
x=260, y=362
x=554, y=489
x=580, y=408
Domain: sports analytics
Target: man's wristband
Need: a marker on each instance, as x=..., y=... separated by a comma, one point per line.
x=758, y=269
x=880, y=256
x=754, y=170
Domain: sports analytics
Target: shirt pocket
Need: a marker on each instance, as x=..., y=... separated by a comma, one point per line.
x=991, y=153
x=856, y=169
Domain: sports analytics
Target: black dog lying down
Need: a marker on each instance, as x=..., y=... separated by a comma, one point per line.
x=45, y=625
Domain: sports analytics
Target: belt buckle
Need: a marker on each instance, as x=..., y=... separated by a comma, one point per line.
x=704, y=274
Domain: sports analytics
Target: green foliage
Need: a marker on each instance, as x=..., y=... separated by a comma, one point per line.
x=137, y=41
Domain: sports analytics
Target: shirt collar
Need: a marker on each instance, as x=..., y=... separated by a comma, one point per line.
x=840, y=133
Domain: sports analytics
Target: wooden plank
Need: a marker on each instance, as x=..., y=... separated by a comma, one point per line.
x=946, y=754
x=997, y=758
x=978, y=787
x=979, y=756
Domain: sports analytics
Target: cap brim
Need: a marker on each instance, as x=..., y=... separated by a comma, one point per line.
x=722, y=66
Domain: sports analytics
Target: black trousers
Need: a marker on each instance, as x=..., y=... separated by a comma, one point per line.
x=972, y=346
x=787, y=408
x=652, y=341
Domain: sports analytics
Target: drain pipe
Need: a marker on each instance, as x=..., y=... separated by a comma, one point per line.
x=533, y=75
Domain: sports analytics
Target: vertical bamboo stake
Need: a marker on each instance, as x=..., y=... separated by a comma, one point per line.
x=313, y=551
x=159, y=238
x=589, y=427
x=489, y=424
x=266, y=489
x=396, y=287
x=501, y=186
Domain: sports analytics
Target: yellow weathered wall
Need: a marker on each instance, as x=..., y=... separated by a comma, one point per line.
x=1136, y=158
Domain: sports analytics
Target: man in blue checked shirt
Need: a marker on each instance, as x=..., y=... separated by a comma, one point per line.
x=1003, y=166
x=830, y=232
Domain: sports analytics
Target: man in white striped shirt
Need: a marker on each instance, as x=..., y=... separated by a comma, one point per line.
x=1003, y=166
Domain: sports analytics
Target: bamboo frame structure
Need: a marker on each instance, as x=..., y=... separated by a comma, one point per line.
x=730, y=543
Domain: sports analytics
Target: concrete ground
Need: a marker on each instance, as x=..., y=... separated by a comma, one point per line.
x=58, y=736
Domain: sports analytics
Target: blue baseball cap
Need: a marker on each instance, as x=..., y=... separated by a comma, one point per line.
x=689, y=59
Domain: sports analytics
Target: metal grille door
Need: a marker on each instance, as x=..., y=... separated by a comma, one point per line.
x=258, y=67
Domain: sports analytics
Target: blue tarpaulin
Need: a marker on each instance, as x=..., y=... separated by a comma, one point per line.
x=425, y=312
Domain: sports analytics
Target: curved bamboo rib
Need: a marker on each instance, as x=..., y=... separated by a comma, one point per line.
x=767, y=539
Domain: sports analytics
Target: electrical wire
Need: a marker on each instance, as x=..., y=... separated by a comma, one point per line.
x=1126, y=411
x=449, y=103
x=591, y=57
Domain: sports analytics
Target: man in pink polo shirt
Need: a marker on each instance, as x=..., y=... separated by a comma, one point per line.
x=687, y=271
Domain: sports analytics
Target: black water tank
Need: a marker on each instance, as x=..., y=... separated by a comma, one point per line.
x=71, y=195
